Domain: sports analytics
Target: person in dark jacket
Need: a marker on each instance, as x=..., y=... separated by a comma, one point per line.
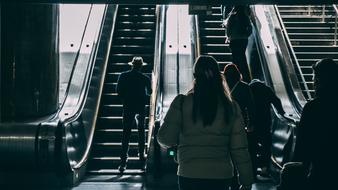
x=316, y=145
x=238, y=29
x=133, y=88
x=241, y=92
x=264, y=97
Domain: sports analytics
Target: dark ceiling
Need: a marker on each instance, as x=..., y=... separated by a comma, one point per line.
x=196, y=2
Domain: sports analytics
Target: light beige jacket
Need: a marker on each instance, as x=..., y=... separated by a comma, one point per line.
x=206, y=152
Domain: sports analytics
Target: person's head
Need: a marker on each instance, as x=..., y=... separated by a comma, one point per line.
x=137, y=62
x=232, y=74
x=209, y=88
x=325, y=77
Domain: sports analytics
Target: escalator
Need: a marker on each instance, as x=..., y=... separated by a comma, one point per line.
x=212, y=37
x=265, y=62
x=310, y=30
x=134, y=35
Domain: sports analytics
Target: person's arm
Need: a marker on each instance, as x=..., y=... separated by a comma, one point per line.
x=250, y=109
x=120, y=86
x=249, y=28
x=148, y=86
x=168, y=134
x=239, y=151
x=277, y=103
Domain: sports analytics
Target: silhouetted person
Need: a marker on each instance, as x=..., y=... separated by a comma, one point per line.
x=316, y=144
x=241, y=92
x=264, y=97
x=208, y=129
x=238, y=31
x=133, y=87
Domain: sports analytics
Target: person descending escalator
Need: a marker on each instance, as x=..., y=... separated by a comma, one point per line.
x=241, y=92
x=238, y=30
x=133, y=88
x=264, y=97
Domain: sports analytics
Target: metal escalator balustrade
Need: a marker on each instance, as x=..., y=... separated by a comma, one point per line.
x=212, y=37
x=134, y=35
x=311, y=31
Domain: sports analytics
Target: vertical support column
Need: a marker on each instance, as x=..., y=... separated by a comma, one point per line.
x=30, y=60
x=335, y=30
x=323, y=13
x=0, y=66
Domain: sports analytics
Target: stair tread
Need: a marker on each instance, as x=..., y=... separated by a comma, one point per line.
x=119, y=130
x=116, y=171
x=116, y=144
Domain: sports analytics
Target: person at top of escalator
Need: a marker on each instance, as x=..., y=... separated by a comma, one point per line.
x=133, y=88
x=238, y=30
x=241, y=92
x=264, y=97
x=316, y=145
x=207, y=127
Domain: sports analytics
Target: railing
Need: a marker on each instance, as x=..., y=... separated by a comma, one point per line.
x=157, y=71
x=323, y=13
x=77, y=118
x=272, y=49
x=293, y=54
x=156, y=98
x=198, y=39
x=335, y=24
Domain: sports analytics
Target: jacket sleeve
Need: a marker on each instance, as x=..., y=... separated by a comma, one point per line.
x=120, y=86
x=239, y=150
x=148, y=86
x=250, y=107
x=276, y=102
x=168, y=134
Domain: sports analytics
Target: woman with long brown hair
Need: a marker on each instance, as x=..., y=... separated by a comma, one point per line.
x=207, y=127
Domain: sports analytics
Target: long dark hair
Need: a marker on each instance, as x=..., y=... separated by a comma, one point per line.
x=210, y=88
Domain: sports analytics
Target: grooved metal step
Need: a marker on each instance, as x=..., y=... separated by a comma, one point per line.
x=134, y=35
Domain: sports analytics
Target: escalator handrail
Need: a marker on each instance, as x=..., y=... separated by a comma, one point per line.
x=72, y=113
x=157, y=78
x=198, y=37
x=91, y=135
x=335, y=8
x=76, y=59
x=290, y=121
x=84, y=97
x=293, y=54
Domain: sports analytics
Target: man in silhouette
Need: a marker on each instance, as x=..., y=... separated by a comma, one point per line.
x=133, y=88
x=264, y=97
x=238, y=30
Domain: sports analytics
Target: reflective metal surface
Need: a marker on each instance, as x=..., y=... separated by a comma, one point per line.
x=29, y=61
x=61, y=143
x=270, y=46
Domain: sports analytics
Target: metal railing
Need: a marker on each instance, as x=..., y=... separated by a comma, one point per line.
x=335, y=25
x=157, y=74
x=292, y=53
